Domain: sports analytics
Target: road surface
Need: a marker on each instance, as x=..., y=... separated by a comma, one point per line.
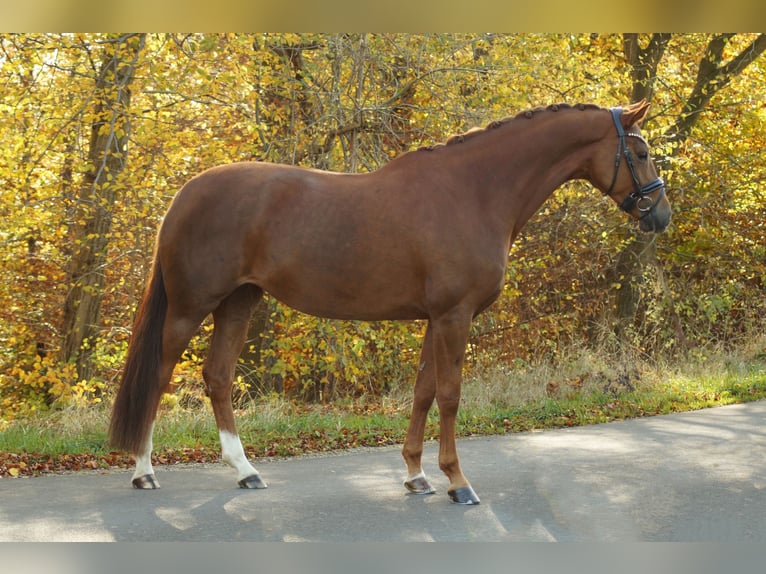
x=697, y=476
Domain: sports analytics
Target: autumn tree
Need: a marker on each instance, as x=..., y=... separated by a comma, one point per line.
x=98, y=191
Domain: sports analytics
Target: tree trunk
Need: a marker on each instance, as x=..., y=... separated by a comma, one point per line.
x=641, y=249
x=251, y=359
x=89, y=235
x=643, y=63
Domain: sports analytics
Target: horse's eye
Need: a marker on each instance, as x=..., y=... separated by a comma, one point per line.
x=643, y=156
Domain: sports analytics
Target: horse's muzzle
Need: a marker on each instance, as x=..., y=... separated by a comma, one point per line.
x=656, y=220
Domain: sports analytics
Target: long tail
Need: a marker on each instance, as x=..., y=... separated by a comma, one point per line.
x=138, y=396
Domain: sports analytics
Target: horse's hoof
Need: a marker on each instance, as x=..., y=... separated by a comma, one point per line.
x=419, y=485
x=252, y=481
x=146, y=482
x=463, y=495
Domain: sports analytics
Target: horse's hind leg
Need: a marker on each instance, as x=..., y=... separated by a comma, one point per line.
x=178, y=330
x=143, y=475
x=231, y=319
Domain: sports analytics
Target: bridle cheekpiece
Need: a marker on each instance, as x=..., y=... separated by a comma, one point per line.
x=639, y=197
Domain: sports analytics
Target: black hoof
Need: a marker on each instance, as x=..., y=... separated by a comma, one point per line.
x=146, y=482
x=463, y=495
x=252, y=481
x=419, y=485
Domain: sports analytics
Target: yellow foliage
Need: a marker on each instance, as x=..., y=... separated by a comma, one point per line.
x=43, y=384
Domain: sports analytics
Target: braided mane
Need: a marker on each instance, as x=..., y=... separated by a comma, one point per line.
x=527, y=114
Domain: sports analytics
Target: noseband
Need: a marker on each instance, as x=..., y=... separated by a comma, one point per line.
x=639, y=197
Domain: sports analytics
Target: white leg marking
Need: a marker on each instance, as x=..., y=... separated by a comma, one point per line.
x=414, y=477
x=418, y=483
x=233, y=454
x=144, y=459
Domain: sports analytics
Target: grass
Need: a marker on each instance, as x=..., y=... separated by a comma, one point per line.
x=586, y=390
x=580, y=388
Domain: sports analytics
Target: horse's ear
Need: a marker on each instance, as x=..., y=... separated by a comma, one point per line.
x=634, y=113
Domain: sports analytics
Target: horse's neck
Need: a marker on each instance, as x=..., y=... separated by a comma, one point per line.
x=523, y=167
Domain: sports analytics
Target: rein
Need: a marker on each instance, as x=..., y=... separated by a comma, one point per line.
x=640, y=196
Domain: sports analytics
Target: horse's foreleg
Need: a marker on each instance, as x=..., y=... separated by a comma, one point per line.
x=231, y=320
x=425, y=390
x=450, y=335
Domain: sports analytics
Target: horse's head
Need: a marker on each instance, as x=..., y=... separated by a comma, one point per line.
x=624, y=170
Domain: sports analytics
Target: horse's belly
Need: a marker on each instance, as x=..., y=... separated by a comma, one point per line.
x=348, y=302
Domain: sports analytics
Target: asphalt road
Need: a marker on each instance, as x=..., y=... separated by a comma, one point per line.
x=697, y=476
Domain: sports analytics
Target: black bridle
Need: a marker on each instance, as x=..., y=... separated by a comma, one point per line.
x=639, y=197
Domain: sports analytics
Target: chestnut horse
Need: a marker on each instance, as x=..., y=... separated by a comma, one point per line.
x=425, y=237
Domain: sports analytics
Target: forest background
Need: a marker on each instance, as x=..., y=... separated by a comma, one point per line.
x=100, y=130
